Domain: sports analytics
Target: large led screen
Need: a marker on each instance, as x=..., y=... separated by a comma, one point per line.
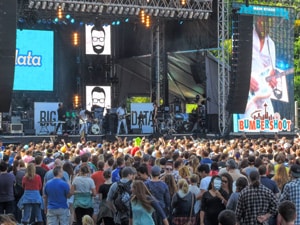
x=270, y=105
x=34, y=61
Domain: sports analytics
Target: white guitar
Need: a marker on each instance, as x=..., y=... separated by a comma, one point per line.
x=256, y=100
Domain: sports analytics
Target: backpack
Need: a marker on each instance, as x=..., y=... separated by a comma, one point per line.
x=121, y=197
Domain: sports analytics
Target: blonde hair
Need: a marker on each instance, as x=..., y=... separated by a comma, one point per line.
x=184, y=172
x=183, y=185
x=30, y=171
x=281, y=176
x=87, y=220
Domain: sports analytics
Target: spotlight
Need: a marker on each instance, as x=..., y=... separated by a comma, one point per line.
x=118, y=22
x=68, y=16
x=206, y=15
x=131, y=11
x=77, y=7
x=126, y=20
x=71, y=6
x=109, y=9
x=150, y=12
x=56, y=6
x=31, y=4
x=180, y=14
x=180, y=22
x=37, y=5
x=201, y=15
x=44, y=5
x=89, y=8
x=83, y=6
x=63, y=6
x=126, y=10
x=115, y=10
x=121, y=10
x=72, y=20
x=50, y=5
x=161, y=13
x=185, y=14
x=156, y=12
x=100, y=9
x=95, y=9
x=167, y=13
x=196, y=15
x=137, y=12
x=172, y=14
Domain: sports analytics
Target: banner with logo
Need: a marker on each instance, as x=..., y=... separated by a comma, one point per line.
x=141, y=116
x=45, y=117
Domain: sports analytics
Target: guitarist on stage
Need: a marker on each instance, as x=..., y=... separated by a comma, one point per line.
x=263, y=65
x=121, y=112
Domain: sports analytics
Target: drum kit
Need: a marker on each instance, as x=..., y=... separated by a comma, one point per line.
x=73, y=124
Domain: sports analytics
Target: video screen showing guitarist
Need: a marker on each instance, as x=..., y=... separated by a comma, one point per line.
x=265, y=77
x=121, y=112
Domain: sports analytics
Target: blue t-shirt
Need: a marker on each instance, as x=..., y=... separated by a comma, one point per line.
x=57, y=191
x=115, y=175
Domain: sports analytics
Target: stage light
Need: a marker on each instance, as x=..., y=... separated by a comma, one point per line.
x=75, y=39
x=196, y=15
x=63, y=6
x=201, y=15
x=206, y=15
x=68, y=16
x=167, y=13
x=126, y=10
x=156, y=12
x=113, y=23
x=118, y=22
x=56, y=20
x=77, y=7
x=180, y=22
x=131, y=11
x=37, y=5
x=182, y=2
x=137, y=12
x=59, y=13
x=72, y=20
x=100, y=9
x=143, y=16
x=185, y=14
x=161, y=13
x=31, y=4
x=71, y=6
x=109, y=9
x=191, y=15
x=83, y=7
x=89, y=8
x=172, y=14
x=50, y=5
x=56, y=5
x=44, y=5
x=180, y=14
x=121, y=10
x=95, y=8
x=115, y=9
x=150, y=12
x=126, y=20
x=148, y=21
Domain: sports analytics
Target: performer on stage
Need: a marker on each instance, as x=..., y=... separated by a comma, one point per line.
x=154, y=117
x=83, y=120
x=121, y=112
x=61, y=112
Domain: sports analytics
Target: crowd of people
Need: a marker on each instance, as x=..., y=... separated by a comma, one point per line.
x=133, y=182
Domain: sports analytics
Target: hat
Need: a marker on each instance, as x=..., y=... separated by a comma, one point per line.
x=155, y=171
x=26, y=147
x=99, y=145
x=231, y=164
x=295, y=169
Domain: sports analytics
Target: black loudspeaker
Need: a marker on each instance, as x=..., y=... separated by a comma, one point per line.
x=241, y=63
x=113, y=123
x=8, y=26
x=198, y=71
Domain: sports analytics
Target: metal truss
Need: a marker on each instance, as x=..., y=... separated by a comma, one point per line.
x=223, y=69
x=185, y=9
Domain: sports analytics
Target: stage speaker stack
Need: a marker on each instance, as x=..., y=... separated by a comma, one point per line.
x=241, y=63
x=8, y=26
x=113, y=123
